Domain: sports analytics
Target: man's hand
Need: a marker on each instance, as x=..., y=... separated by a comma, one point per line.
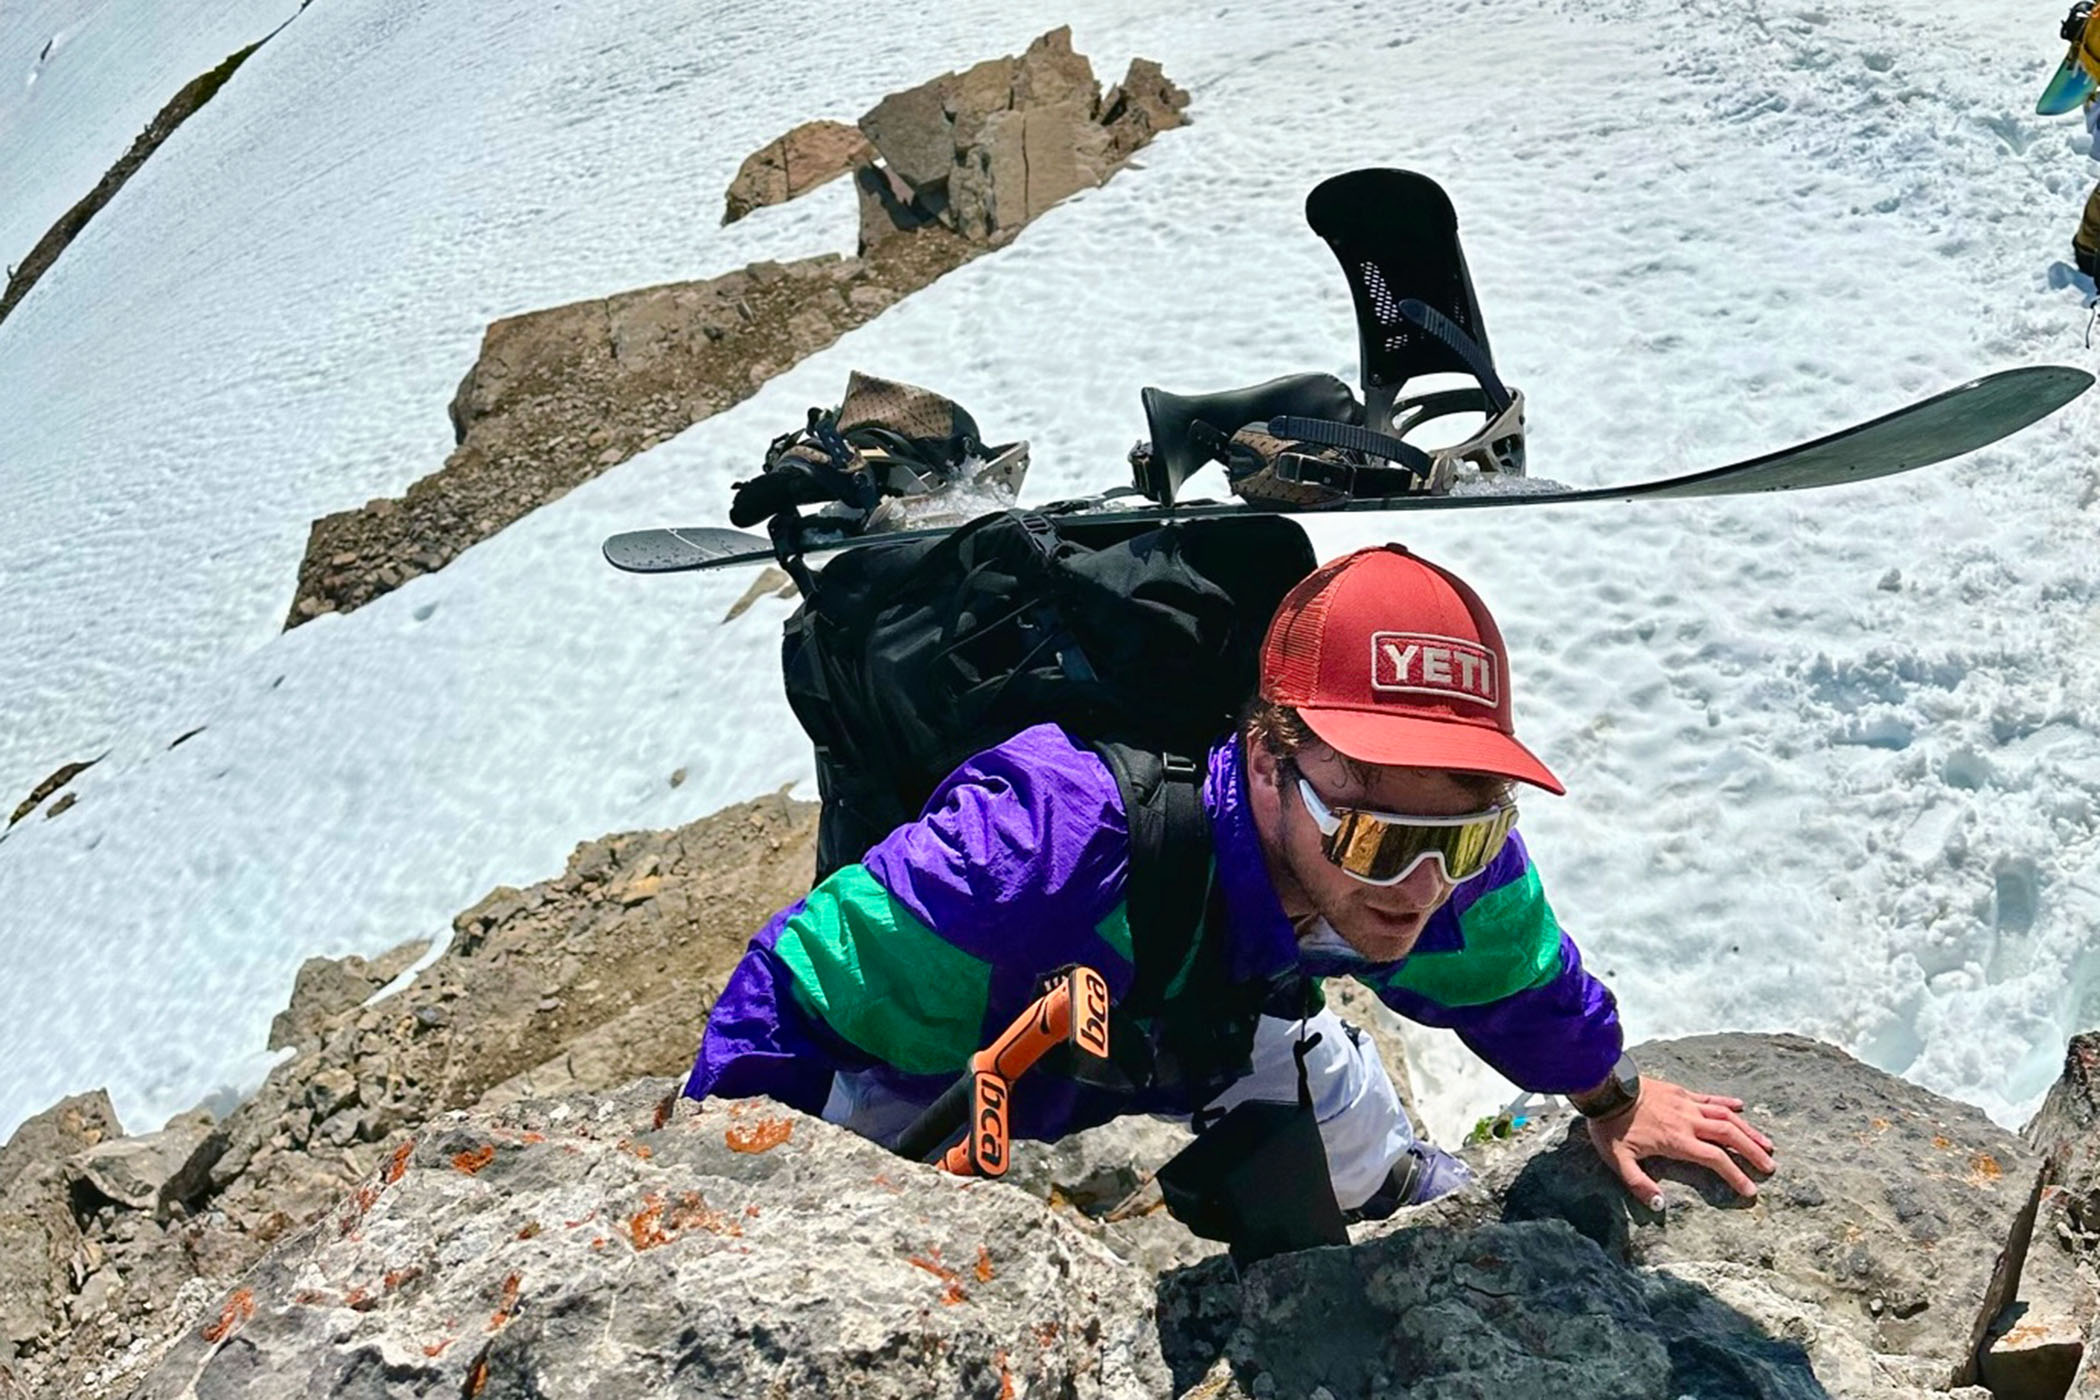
x=1672, y=1121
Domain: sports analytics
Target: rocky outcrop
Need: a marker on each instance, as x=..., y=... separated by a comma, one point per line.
x=1868, y=1266
x=2044, y=1338
x=559, y=396
x=637, y=1245
x=44, y=789
x=987, y=150
x=327, y=987
x=813, y=154
x=179, y=109
x=1877, y=1247
x=111, y=1245
x=43, y=1255
x=634, y=1243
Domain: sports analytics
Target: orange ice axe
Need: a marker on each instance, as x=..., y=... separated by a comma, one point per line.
x=1074, y=1011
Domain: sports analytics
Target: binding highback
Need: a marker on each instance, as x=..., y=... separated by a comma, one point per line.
x=1396, y=237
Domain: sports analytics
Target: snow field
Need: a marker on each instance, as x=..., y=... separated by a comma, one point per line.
x=1832, y=757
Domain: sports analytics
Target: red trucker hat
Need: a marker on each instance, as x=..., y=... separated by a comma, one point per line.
x=1392, y=660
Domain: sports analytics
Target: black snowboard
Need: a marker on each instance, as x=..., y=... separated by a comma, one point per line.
x=1946, y=425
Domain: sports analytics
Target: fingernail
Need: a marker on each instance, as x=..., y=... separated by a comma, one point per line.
x=1752, y=1191
x=1655, y=1202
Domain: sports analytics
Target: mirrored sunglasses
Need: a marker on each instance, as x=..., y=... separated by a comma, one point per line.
x=1384, y=848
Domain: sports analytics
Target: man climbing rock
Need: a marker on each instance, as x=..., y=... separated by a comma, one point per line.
x=1360, y=822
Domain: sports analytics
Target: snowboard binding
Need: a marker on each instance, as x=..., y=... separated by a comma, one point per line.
x=1305, y=441
x=889, y=457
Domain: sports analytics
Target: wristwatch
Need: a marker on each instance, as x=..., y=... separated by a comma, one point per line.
x=1618, y=1094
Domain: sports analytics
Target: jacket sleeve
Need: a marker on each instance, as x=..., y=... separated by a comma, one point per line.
x=1500, y=972
x=912, y=956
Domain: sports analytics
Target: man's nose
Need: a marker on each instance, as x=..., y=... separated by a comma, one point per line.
x=1425, y=885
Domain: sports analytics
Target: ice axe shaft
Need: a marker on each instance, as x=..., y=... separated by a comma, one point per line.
x=1074, y=1011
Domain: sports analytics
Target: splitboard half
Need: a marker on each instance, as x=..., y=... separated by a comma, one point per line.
x=1947, y=425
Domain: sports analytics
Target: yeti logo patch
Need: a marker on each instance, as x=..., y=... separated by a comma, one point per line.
x=1419, y=663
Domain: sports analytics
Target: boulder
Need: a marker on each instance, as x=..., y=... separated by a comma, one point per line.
x=1533, y=1308
x=1144, y=104
x=813, y=154
x=639, y=1245
x=327, y=987
x=38, y=1149
x=156, y=1171
x=42, y=1251
x=988, y=149
x=1881, y=1243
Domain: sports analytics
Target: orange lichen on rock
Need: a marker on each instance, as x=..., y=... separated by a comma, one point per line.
x=507, y=1308
x=477, y=1377
x=397, y=1165
x=657, y=1223
x=532, y=1227
x=1983, y=1167
x=762, y=1136
x=436, y=1349
x=1006, y=1377
x=952, y=1293
x=474, y=1160
x=238, y=1309
x=984, y=1264
x=693, y=1213
x=663, y=1111
x=646, y=1227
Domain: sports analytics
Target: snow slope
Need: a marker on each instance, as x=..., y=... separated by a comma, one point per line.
x=1834, y=758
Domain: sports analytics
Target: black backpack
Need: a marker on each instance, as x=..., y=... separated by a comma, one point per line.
x=1141, y=639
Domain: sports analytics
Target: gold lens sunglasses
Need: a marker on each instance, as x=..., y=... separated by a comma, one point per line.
x=1383, y=848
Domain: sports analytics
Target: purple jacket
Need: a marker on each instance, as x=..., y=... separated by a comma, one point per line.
x=911, y=960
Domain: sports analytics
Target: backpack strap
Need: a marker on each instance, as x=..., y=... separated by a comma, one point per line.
x=1170, y=866
x=1177, y=918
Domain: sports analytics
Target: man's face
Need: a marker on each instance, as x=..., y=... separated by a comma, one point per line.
x=1381, y=922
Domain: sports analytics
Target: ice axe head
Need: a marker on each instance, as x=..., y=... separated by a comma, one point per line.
x=1074, y=1011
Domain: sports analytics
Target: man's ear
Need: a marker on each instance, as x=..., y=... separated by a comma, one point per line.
x=1262, y=765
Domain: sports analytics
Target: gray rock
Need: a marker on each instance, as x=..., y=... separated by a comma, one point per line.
x=989, y=149
x=1497, y=1310
x=1880, y=1236
x=1096, y=1170
x=617, y=1247
x=40, y=1146
x=327, y=987
x=95, y=1295
x=914, y=133
x=39, y=1238
x=331, y=1089
x=157, y=1170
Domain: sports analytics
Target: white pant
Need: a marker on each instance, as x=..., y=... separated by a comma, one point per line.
x=1362, y=1124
